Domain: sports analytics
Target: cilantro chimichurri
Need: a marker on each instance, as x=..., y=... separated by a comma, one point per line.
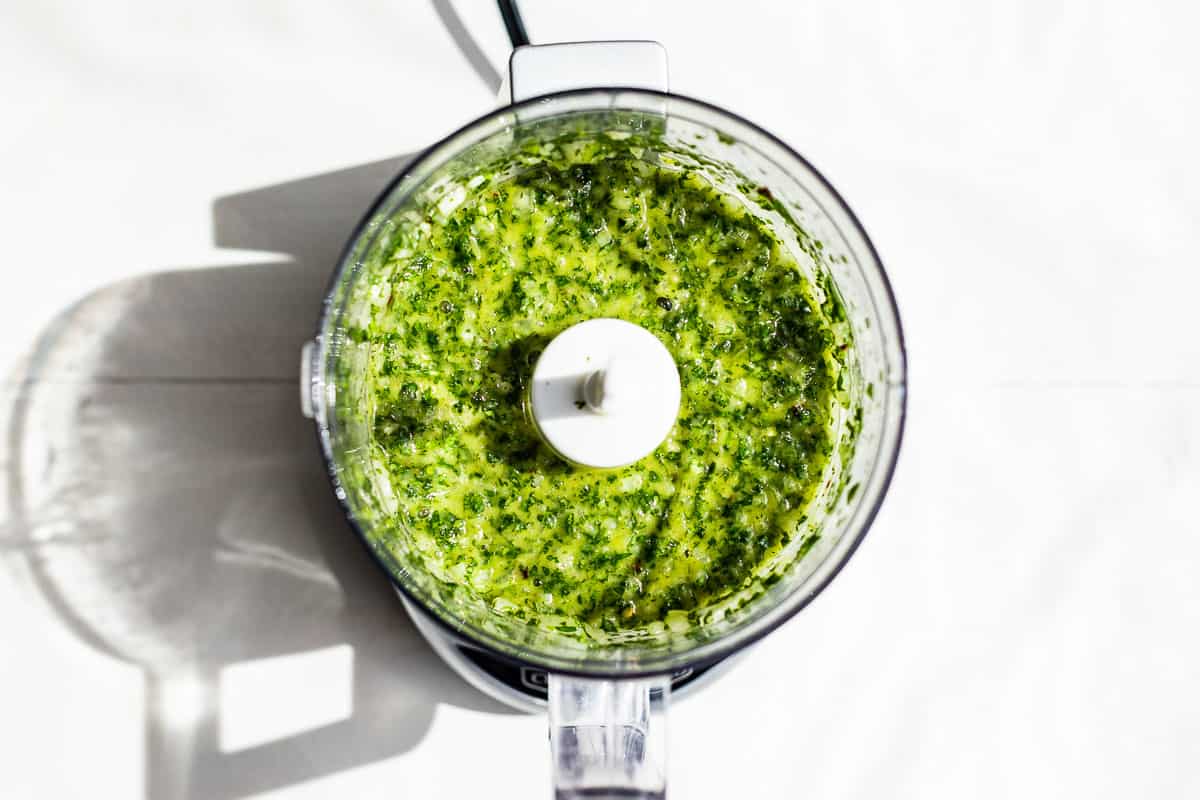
x=476, y=285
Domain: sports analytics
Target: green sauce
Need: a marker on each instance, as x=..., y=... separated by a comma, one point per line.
x=477, y=285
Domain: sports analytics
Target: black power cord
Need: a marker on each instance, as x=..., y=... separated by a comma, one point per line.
x=513, y=23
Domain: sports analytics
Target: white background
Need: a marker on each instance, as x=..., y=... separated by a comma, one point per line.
x=183, y=612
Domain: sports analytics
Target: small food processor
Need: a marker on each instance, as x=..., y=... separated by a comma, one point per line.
x=607, y=701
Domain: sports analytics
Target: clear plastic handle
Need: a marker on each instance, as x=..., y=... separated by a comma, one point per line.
x=608, y=738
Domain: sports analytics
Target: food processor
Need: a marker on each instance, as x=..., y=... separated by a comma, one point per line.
x=607, y=701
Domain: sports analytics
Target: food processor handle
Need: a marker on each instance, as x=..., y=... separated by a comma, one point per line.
x=608, y=737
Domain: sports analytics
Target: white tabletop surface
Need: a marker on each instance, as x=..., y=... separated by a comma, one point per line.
x=183, y=611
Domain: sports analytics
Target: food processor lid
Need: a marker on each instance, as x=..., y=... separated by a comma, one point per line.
x=626, y=106
x=605, y=393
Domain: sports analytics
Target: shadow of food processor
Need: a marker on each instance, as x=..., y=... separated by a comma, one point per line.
x=169, y=505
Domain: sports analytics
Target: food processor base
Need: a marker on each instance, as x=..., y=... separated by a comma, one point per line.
x=525, y=688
